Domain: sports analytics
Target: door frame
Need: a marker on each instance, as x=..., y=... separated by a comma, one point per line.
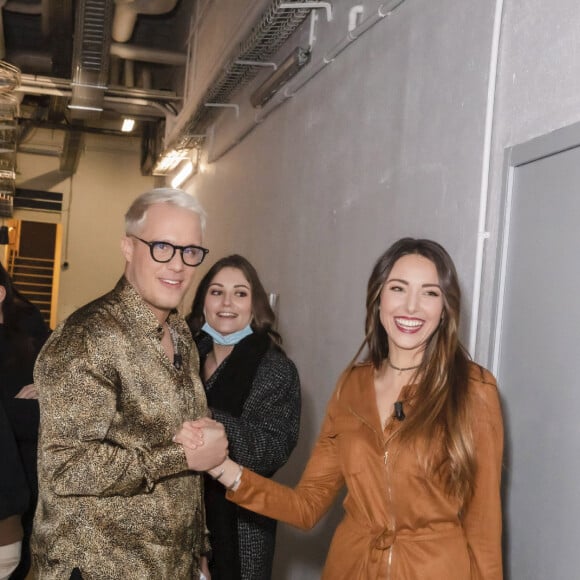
x=516, y=156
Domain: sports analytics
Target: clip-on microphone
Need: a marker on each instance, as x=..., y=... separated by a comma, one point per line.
x=399, y=414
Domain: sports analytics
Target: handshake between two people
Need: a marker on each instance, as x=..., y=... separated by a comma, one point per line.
x=204, y=442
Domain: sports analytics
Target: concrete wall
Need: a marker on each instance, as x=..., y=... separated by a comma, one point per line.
x=95, y=200
x=387, y=141
x=391, y=139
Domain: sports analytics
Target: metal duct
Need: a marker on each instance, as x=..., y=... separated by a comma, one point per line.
x=91, y=58
x=264, y=40
x=126, y=12
x=41, y=62
x=71, y=152
x=143, y=53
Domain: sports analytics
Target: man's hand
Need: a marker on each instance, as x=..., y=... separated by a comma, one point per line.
x=27, y=392
x=213, y=448
x=204, y=568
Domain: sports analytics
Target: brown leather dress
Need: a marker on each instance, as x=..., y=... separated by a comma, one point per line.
x=399, y=524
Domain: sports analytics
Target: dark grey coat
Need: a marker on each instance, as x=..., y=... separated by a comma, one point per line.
x=262, y=439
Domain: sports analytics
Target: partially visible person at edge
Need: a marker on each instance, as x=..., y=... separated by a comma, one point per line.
x=115, y=382
x=22, y=334
x=415, y=433
x=14, y=499
x=253, y=389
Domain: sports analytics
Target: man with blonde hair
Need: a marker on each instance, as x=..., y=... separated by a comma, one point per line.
x=116, y=380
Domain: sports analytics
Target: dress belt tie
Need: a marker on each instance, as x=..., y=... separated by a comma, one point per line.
x=385, y=539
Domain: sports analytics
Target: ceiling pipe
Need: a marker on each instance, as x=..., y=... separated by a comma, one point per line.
x=36, y=84
x=152, y=55
x=30, y=60
x=126, y=12
x=165, y=110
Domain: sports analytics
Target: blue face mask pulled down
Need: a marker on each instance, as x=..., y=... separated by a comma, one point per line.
x=227, y=339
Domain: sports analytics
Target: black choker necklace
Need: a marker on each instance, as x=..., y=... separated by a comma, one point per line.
x=402, y=369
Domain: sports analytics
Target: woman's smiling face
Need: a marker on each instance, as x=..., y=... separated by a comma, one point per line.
x=411, y=306
x=228, y=302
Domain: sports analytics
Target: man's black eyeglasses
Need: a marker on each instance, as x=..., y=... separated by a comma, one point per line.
x=164, y=251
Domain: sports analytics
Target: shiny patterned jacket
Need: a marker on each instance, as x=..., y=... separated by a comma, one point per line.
x=116, y=499
x=399, y=523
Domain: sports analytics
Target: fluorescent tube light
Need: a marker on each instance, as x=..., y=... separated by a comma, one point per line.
x=183, y=174
x=128, y=125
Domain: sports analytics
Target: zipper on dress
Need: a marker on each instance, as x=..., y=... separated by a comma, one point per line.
x=390, y=496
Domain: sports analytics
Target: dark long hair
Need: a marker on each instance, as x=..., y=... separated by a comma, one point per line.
x=263, y=317
x=18, y=312
x=442, y=410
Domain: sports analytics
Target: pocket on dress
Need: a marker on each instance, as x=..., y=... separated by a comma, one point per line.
x=355, y=445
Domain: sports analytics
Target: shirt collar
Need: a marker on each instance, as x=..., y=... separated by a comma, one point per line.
x=138, y=313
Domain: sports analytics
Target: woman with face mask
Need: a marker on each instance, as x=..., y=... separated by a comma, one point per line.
x=414, y=431
x=253, y=389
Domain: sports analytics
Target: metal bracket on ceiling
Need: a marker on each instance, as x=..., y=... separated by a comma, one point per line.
x=225, y=105
x=256, y=63
x=327, y=6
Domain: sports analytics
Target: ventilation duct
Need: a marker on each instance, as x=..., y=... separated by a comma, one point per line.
x=91, y=58
x=126, y=12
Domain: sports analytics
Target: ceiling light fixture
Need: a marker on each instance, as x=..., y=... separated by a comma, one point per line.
x=298, y=59
x=85, y=108
x=170, y=160
x=183, y=174
x=128, y=125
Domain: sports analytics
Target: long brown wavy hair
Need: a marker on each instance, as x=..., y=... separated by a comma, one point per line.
x=442, y=412
x=263, y=317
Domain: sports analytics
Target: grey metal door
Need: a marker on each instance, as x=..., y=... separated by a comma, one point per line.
x=538, y=364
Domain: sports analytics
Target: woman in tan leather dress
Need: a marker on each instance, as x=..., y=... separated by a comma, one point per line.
x=414, y=432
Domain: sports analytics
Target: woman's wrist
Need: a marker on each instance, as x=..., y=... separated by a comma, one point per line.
x=218, y=471
x=229, y=474
x=236, y=483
